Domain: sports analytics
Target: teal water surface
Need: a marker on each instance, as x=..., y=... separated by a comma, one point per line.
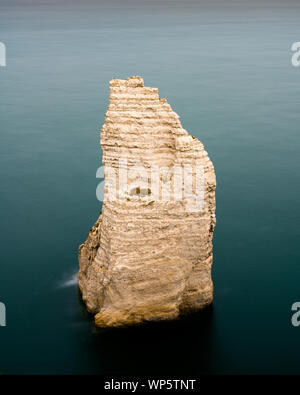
x=225, y=68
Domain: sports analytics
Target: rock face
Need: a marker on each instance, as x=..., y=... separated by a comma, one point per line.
x=149, y=255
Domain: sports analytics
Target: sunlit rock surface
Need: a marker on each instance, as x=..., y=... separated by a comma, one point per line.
x=149, y=255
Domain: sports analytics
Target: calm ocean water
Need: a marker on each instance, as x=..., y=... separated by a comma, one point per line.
x=225, y=68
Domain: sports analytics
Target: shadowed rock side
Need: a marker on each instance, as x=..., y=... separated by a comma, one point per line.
x=146, y=259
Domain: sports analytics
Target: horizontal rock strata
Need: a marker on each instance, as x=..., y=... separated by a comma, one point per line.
x=149, y=255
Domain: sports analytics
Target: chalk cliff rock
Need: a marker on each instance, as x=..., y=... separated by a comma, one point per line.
x=149, y=255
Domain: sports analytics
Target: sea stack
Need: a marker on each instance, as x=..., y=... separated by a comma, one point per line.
x=149, y=255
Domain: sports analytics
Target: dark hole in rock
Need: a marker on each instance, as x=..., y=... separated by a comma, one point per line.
x=140, y=191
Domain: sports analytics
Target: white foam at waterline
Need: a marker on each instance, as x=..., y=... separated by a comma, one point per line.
x=70, y=282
